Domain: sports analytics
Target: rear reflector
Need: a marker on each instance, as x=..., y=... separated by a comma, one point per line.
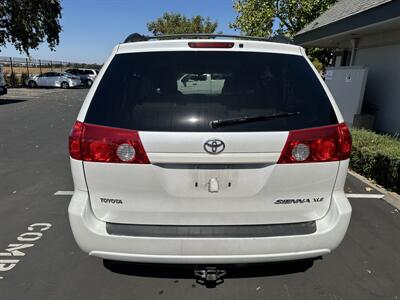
x=106, y=144
x=321, y=144
x=211, y=45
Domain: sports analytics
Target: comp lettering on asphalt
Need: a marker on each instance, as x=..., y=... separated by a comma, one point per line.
x=12, y=255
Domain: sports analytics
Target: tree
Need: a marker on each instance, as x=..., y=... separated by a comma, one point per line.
x=176, y=23
x=256, y=17
x=27, y=23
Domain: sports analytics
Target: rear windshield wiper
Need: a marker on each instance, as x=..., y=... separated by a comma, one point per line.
x=246, y=119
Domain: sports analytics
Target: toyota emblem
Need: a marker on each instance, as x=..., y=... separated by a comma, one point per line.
x=214, y=146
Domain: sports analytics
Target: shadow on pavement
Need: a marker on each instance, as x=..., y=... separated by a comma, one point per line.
x=187, y=271
x=10, y=101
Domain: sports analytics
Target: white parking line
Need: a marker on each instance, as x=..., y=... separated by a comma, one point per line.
x=373, y=196
x=64, y=193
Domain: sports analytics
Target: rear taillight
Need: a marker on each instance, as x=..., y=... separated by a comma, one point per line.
x=75, y=140
x=106, y=144
x=344, y=141
x=321, y=144
x=211, y=44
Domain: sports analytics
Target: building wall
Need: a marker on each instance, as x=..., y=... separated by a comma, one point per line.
x=383, y=84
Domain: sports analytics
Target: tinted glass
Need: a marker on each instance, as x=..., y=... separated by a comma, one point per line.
x=49, y=74
x=184, y=91
x=72, y=71
x=86, y=72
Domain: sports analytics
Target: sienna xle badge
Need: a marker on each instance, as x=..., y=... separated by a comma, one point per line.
x=208, y=151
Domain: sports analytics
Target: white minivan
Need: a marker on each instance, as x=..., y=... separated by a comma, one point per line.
x=251, y=171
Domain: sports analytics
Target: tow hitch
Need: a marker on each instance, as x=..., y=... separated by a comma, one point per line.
x=210, y=276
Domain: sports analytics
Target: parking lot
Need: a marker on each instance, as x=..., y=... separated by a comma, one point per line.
x=35, y=185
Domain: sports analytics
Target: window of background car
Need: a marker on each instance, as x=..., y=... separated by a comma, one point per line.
x=184, y=91
x=70, y=71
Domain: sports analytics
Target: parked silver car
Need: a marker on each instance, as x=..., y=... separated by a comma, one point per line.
x=53, y=79
x=87, y=76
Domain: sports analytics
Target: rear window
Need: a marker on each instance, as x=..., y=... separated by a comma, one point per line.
x=72, y=71
x=185, y=91
x=87, y=72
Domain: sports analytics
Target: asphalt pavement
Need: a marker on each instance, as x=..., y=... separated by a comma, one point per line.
x=47, y=264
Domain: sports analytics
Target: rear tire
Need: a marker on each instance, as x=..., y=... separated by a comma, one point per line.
x=89, y=83
x=32, y=84
x=64, y=85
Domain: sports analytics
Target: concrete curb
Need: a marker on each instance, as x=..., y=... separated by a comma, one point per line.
x=390, y=197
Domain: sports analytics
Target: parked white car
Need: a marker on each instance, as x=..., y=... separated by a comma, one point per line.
x=87, y=76
x=53, y=79
x=201, y=83
x=250, y=172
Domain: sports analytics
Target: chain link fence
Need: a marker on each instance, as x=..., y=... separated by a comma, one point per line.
x=17, y=69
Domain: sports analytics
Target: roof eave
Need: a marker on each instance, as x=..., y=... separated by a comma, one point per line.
x=369, y=17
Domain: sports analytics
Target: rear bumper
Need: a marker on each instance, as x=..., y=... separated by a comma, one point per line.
x=92, y=237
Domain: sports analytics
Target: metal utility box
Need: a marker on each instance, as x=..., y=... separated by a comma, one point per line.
x=347, y=84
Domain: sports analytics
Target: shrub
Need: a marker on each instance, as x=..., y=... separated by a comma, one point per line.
x=24, y=77
x=377, y=157
x=5, y=75
x=11, y=79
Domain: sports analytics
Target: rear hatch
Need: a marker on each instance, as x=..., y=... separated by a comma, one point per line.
x=189, y=172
